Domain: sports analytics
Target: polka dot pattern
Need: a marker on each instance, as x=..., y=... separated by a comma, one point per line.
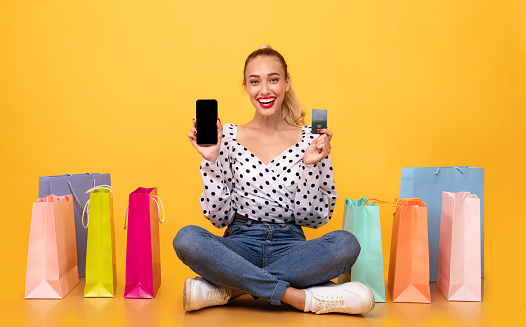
x=285, y=190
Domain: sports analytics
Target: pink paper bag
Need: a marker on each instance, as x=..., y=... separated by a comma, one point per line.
x=52, y=253
x=459, y=247
x=143, y=260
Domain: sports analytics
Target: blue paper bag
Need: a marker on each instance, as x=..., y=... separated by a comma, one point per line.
x=428, y=183
x=76, y=185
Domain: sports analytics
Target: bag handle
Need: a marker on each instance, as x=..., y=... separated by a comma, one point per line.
x=397, y=204
x=458, y=168
x=153, y=197
x=74, y=194
x=87, y=205
x=367, y=203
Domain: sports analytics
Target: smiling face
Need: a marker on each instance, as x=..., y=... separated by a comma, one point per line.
x=266, y=84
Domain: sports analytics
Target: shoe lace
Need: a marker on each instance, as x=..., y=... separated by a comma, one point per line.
x=325, y=305
x=218, y=294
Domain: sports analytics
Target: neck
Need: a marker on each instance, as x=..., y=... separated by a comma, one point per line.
x=268, y=124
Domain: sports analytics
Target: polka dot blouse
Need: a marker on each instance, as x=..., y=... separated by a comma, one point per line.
x=285, y=190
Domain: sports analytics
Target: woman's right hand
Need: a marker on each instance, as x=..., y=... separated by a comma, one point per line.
x=208, y=152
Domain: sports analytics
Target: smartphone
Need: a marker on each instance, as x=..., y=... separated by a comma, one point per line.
x=319, y=120
x=206, y=121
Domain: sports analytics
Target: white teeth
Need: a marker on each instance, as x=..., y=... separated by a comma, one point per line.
x=266, y=101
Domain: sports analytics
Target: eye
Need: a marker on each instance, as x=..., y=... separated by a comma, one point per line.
x=254, y=82
x=274, y=80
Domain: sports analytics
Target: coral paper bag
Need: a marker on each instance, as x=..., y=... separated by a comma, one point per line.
x=101, y=272
x=52, y=254
x=459, y=247
x=408, y=279
x=143, y=259
x=362, y=219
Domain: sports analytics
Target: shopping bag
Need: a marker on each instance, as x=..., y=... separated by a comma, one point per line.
x=143, y=254
x=428, y=183
x=101, y=272
x=77, y=185
x=459, y=247
x=52, y=253
x=362, y=219
x=408, y=278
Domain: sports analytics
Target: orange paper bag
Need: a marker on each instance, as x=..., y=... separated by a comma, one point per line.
x=408, y=279
x=52, y=253
x=459, y=248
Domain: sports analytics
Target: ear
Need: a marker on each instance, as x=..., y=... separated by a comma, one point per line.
x=287, y=83
x=245, y=86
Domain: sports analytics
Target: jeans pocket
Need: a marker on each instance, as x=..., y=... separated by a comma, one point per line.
x=234, y=229
x=295, y=230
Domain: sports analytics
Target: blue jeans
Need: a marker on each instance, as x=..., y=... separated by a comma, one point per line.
x=263, y=259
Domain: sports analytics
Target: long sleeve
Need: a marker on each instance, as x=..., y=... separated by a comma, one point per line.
x=216, y=200
x=316, y=195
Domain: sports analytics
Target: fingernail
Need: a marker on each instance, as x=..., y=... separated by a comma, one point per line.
x=320, y=130
x=195, y=132
x=193, y=119
x=219, y=119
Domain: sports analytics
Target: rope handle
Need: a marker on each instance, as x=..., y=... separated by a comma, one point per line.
x=458, y=168
x=465, y=195
x=126, y=217
x=397, y=204
x=87, y=205
x=101, y=187
x=87, y=215
x=153, y=197
x=75, y=194
x=48, y=198
x=159, y=208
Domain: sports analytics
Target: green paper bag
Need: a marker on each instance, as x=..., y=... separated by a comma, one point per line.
x=362, y=219
x=101, y=273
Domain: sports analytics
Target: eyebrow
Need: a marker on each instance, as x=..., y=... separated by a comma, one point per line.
x=271, y=74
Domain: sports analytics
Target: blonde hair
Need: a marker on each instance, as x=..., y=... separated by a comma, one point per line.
x=291, y=109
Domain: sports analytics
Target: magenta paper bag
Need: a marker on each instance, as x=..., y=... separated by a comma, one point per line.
x=459, y=262
x=143, y=259
x=52, y=253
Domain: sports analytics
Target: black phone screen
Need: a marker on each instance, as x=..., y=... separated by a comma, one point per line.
x=206, y=121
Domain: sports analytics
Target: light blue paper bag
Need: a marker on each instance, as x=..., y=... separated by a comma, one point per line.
x=77, y=185
x=428, y=183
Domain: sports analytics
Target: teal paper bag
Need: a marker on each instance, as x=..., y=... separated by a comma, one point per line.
x=363, y=220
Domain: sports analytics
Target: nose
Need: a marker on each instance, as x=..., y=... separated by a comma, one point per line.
x=264, y=88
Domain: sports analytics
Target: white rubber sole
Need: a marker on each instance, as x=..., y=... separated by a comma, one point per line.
x=187, y=294
x=370, y=296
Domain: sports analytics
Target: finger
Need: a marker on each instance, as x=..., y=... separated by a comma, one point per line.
x=192, y=138
x=219, y=130
x=322, y=138
x=327, y=133
x=193, y=130
x=193, y=122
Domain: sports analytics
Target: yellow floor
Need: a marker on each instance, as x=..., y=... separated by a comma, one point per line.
x=166, y=310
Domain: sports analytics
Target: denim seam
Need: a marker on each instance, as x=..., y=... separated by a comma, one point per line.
x=219, y=241
x=295, y=233
x=215, y=239
x=298, y=250
x=274, y=295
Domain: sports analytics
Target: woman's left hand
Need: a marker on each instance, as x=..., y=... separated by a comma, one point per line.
x=319, y=148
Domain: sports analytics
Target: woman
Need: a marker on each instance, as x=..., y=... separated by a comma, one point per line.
x=264, y=180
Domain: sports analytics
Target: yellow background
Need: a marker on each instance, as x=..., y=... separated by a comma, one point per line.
x=110, y=86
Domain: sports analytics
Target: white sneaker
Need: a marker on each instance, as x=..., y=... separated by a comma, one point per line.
x=199, y=293
x=352, y=297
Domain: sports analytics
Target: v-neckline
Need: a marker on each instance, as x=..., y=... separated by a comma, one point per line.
x=278, y=156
